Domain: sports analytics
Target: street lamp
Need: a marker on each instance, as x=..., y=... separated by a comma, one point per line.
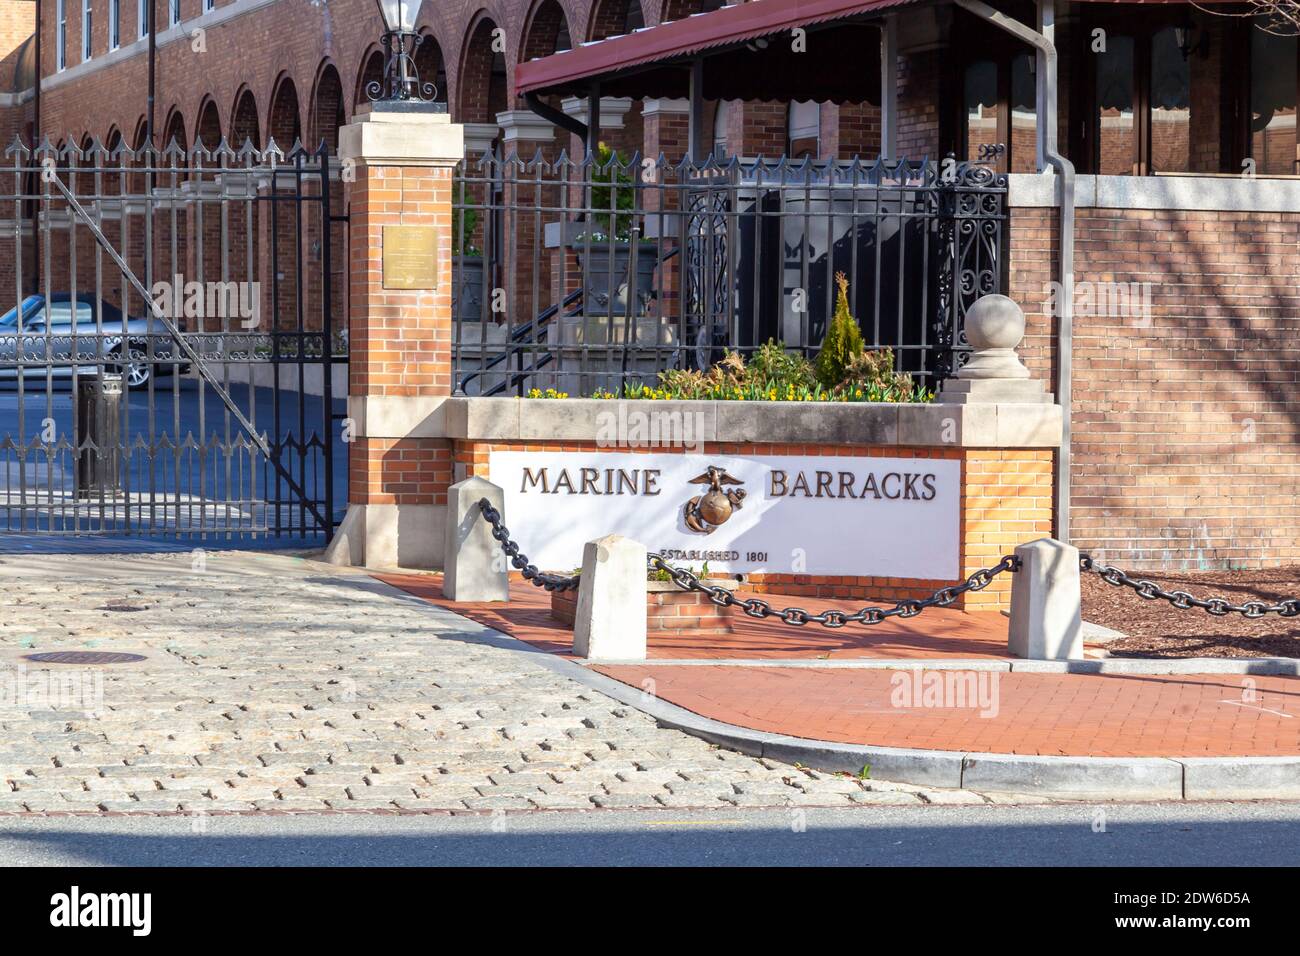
x=401, y=81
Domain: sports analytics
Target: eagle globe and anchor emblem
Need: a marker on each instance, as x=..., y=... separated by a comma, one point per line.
x=704, y=513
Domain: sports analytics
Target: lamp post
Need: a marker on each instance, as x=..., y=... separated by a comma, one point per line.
x=401, y=81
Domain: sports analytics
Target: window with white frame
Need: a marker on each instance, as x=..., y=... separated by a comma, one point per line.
x=61, y=34
x=85, y=30
x=114, y=24
x=209, y=5
x=173, y=12
x=142, y=18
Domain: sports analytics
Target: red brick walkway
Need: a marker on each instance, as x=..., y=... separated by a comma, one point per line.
x=1062, y=714
x=935, y=634
x=1074, y=714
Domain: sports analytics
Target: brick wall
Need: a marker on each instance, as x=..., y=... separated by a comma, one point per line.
x=1185, y=424
x=1006, y=500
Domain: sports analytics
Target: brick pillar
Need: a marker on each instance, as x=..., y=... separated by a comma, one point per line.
x=756, y=128
x=666, y=130
x=399, y=463
x=849, y=130
x=527, y=135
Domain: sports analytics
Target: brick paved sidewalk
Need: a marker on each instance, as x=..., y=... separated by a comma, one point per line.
x=938, y=633
x=1044, y=714
x=275, y=684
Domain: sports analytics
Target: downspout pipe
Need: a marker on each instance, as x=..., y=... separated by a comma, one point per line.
x=1050, y=154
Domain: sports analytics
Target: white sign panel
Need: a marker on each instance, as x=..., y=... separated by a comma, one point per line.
x=862, y=516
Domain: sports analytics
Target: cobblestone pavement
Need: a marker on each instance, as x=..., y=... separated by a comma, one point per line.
x=277, y=683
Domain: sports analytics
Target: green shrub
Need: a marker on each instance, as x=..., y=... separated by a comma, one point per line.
x=613, y=201
x=843, y=342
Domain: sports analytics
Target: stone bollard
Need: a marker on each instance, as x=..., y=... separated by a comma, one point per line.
x=611, y=619
x=475, y=568
x=1045, y=622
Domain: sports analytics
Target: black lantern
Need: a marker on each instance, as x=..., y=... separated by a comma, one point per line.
x=401, y=81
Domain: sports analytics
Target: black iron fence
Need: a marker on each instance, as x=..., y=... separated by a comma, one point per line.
x=172, y=348
x=579, y=275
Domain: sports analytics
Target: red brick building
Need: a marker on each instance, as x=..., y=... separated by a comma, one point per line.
x=1181, y=124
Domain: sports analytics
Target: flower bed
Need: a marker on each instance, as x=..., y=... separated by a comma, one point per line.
x=845, y=371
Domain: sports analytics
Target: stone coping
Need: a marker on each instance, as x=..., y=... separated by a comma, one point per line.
x=687, y=423
x=664, y=587
x=1189, y=193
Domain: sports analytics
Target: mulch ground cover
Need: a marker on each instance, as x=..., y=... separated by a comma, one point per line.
x=1157, y=629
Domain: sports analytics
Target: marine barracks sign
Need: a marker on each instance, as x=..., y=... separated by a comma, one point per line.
x=864, y=516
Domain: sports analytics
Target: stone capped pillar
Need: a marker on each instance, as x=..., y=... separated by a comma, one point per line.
x=398, y=163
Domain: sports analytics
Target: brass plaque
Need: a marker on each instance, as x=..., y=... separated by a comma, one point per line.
x=410, y=257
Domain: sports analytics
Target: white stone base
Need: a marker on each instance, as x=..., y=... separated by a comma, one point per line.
x=389, y=536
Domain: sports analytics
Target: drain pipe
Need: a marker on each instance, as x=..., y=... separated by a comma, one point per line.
x=1043, y=41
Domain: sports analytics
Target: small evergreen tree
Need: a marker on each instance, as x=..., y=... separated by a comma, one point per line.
x=843, y=342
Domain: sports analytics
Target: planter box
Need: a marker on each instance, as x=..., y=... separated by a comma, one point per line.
x=669, y=610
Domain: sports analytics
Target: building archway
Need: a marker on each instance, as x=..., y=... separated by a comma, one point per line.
x=244, y=126
x=174, y=130
x=481, y=89
x=327, y=114
x=284, y=121
x=208, y=130
x=372, y=72
x=611, y=18
x=430, y=65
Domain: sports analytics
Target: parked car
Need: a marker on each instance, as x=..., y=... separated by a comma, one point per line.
x=34, y=326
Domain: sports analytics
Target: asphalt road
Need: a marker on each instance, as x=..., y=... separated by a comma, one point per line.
x=1092, y=835
x=179, y=410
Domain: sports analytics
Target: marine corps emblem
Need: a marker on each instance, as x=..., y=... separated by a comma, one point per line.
x=705, y=512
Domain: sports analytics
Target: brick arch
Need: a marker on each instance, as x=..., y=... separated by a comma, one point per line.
x=174, y=129
x=244, y=124
x=140, y=137
x=327, y=112
x=284, y=118
x=481, y=86
x=430, y=65
x=613, y=18
x=370, y=70
x=208, y=128
x=679, y=9
x=546, y=31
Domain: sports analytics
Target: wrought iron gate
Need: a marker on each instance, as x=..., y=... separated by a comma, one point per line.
x=173, y=354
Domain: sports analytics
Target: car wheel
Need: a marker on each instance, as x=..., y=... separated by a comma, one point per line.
x=135, y=374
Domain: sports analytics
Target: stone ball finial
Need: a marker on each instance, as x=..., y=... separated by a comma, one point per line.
x=994, y=322
x=993, y=372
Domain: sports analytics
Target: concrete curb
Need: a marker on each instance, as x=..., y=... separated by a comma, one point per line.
x=1084, y=778
x=1261, y=666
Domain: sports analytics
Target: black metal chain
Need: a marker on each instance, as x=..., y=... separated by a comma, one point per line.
x=909, y=607
x=1219, y=607
x=552, y=582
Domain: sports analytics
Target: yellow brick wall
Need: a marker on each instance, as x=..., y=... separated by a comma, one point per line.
x=1006, y=501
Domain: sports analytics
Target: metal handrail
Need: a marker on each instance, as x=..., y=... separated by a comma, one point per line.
x=542, y=320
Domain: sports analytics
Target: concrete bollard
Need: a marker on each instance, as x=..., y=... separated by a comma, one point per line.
x=474, y=567
x=1045, y=622
x=611, y=620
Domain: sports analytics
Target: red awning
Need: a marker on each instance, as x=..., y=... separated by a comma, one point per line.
x=842, y=64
